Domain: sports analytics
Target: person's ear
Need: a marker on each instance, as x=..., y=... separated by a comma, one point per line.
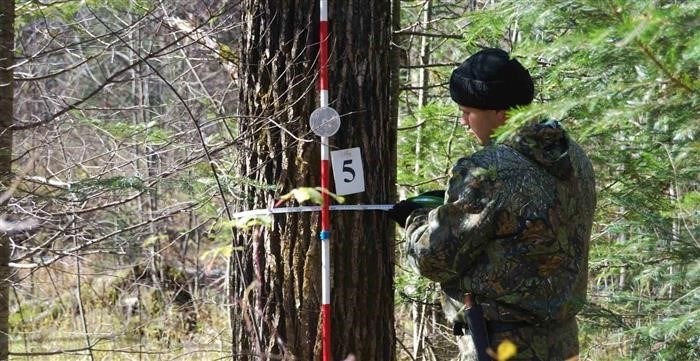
x=501, y=115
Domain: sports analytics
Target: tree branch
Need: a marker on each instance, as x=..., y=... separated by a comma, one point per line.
x=430, y=35
x=434, y=65
x=657, y=62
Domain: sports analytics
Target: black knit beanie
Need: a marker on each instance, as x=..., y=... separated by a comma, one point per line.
x=490, y=79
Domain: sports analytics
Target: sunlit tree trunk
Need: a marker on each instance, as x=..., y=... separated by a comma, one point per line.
x=276, y=281
x=7, y=15
x=423, y=80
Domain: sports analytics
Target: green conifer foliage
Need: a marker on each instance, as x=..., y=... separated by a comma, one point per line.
x=623, y=76
x=624, y=79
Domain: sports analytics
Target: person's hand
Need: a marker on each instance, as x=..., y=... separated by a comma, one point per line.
x=403, y=209
x=400, y=212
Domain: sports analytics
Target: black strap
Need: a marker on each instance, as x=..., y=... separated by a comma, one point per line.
x=458, y=328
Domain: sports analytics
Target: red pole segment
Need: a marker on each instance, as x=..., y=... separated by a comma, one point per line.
x=325, y=206
x=323, y=58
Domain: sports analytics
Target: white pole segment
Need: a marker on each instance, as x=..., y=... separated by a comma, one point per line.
x=324, y=97
x=324, y=10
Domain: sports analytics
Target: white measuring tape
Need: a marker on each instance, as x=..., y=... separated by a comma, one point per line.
x=356, y=207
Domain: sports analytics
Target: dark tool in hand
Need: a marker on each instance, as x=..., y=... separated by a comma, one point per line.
x=477, y=327
x=403, y=209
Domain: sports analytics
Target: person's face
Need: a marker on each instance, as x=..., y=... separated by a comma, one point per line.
x=482, y=122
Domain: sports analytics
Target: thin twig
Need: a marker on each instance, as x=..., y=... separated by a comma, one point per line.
x=664, y=69
x=430, y=35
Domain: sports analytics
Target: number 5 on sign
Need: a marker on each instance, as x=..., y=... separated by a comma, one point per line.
x=347, y=171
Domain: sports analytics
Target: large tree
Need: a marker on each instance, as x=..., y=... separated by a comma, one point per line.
x=276, y=277
x=7, y=15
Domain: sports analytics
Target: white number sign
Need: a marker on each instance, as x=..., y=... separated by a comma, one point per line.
x=347, y=171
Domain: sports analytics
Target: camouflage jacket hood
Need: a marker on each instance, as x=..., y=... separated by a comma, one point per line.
x=546, y=144
x=514, y=231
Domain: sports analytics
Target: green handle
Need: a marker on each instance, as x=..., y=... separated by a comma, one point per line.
x=427, y=201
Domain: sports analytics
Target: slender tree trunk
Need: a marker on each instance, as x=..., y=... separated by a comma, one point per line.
x=420, y=324
x=276, y=282
x=7, y=38
x=423, y=79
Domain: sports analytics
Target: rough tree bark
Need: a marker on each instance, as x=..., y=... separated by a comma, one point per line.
x=7, y=38
x=276, y=278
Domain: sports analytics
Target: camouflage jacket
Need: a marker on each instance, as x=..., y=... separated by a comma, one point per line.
x=514, y=231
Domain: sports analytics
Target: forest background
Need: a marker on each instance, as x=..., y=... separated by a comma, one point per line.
x=130, y=138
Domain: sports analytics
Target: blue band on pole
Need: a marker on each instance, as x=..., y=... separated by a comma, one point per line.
x=325, y=235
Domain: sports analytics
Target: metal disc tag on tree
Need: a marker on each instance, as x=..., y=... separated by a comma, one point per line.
x=324, y=121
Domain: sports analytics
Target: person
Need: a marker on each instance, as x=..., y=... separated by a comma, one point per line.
x=515, y=227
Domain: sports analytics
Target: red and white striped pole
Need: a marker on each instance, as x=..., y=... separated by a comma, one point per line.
x=325, y=234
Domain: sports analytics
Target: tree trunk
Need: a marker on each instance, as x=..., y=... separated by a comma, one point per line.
x=363, y=243
x=7, y=39
x=423, y=80
x=276, y=279
x=419, y=312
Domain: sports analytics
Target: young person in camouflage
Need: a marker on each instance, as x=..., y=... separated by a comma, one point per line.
x=515, y=227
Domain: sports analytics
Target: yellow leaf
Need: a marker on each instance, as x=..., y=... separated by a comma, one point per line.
x=248, y=222
x=506, y=350
x=339, y=199
x=303, y=194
